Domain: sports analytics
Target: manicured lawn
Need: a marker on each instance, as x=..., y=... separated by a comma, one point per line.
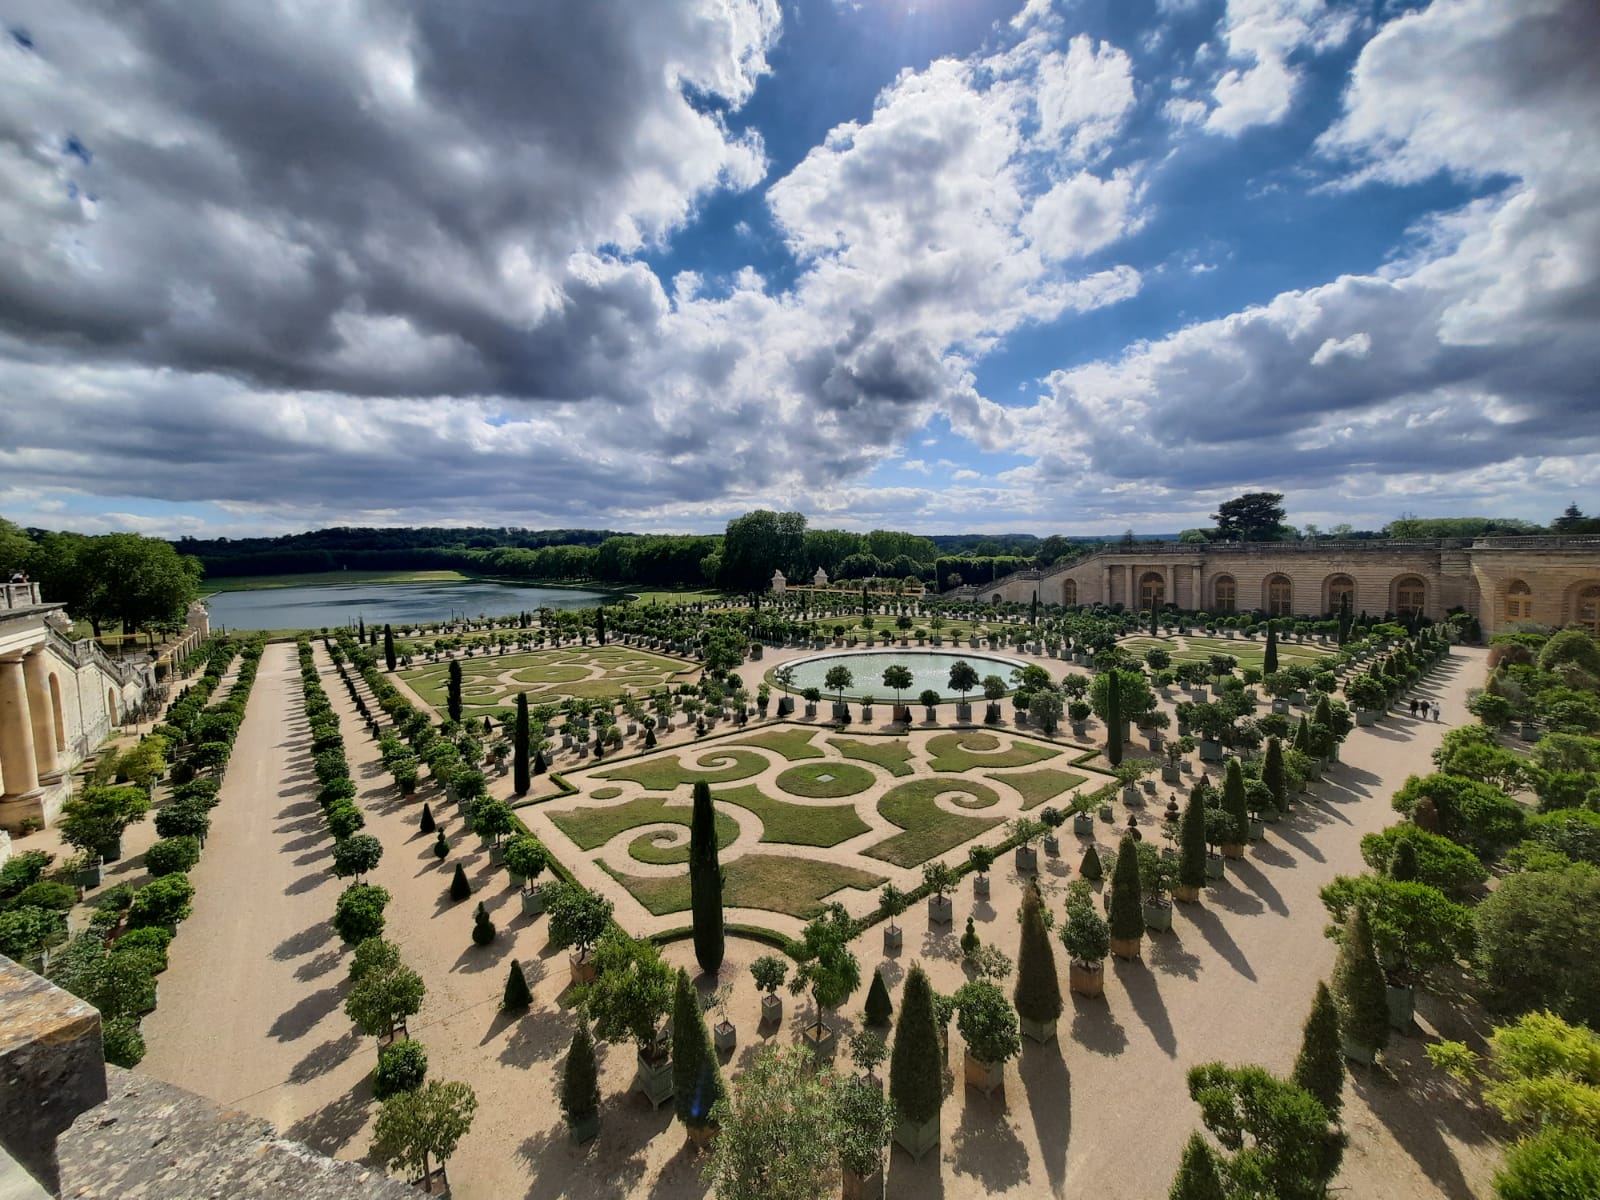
x=797, y=824
x=892, y=755
x=826, y=780
x=793, y=744
x=778, y=883
x=590, y=828
x=1250, y=653
x=665, y=772
x=928, y=830
x=1036, y=787
x=966, y=751
x=490, y=682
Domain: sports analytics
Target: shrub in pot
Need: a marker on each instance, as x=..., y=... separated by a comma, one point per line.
x=988, y=1026
x=1088, y=940
x=769, y=972
x=939, y=878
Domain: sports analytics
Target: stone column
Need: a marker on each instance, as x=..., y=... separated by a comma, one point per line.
x=1172, y=584
x=16, y=731
x=42, y=717
x=1105, y=584
x=1197, y=575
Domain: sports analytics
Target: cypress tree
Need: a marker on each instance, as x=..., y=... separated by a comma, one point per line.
x=1233, y=800
x=1358, y=986
x=1090, y=867
x=879, y=1010
x=1192, y=841
x=1274, y=775
x=427, y=824
x=696, y=1077
x=361, y=630
x=1199, y=1177
x=460, y=889
x=388, y=647
x=1033, y=612
x=516, y=997
x=915, y=1077
x=1403, y=866
x=705, y=881
x=453, y=694
x=1302, y=736
x=1038, y=991
x=1126, y=917
x=519, y=748
x=1269, y=660
x=600, y=626
x=1319, y=1067
x=580, y=1081
x=1114, y=718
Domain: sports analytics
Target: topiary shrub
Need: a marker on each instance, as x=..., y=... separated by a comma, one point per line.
x=879, y=1010
x=163, y=901
x=440, y=846
x=580, y=1081
x=460, y=889
x=402, y=1066
x=427, y=825
x=483, y=930
x=696, y=1077
x=1090, y=867
x=358, y=913
x=1359, y=991
x=1038, y=990
x=1319, y=1067
x=516, y=997
x=172, y=856
x=915, y=1082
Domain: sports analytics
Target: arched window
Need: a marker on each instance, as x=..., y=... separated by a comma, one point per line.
x=1341, y=587
x=1589, y=608
x=1152, y=590
x=1226, y=593
x=1280, y=596
x=1519, y=601
x=1069, y=592
x=996, y=598
x=1410, y=594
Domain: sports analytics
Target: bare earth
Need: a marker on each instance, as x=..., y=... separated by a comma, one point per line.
x=250, y=1009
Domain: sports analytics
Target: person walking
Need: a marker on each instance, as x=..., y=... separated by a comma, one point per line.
x=1435, y=710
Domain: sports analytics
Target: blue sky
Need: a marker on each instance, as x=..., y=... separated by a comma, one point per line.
x=944, y=265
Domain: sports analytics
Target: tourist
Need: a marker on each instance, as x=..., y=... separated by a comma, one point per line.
x=1413, y=706
x=1435, y=710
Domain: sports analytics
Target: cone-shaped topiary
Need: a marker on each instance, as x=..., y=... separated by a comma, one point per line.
x=580, y=1081
x=1192, y=841
x=440, y=846
x=539, y=764
x=1319, y=1067
x=483, y=930
x=705, y=881
x=520, y=742
x=1090, y=867
x=516, y=997
x=460, y=889
x=879, y=1010
x=696, y=1077
x=1359, y=990
x=1038, y=991
x=1126, y=917
x=453, y=691
x=1302, y=736
x=1199, y=1176
x=915, y=1078
x=427, y=824
x=1233, y=800
x=1274, y=775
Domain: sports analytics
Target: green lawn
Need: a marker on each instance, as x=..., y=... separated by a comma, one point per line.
x=548, y=676
x=777, y=883
x=928, y=830
x=797, y=824
x=590, y=828
x=664, y=772
x=956, y=752
x=1036, y=787
x=793, y=744
x=825, y=780
x=1250, y=653
x=672, y=596
x=894, y=756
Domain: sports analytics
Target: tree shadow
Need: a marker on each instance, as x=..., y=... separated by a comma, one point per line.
x=1418, y=1105
x=537, y=1037
x=1255, y=879
x=1148, y=1005
x=331, y=1127
x=1293, y=837
x=1095, y=1028
x=1048, y=1086
x=476, y=958
x=1232, y=897
x=299, y=1019
x=306, y=883
x=1169, y=956
x=923, y=1179
x=985, y=1146
x=1219, y=939
x=321, y=964
x=608, y=1168
x=304, y=942
x=1271, y=854
x=326, y=1057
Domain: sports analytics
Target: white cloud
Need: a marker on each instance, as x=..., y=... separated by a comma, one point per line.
x=1259, y=83
x=1357, y=345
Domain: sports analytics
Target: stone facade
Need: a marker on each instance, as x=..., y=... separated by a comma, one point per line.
x=1551, y=580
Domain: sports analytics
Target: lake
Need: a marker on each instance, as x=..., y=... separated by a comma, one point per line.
x=333, y=605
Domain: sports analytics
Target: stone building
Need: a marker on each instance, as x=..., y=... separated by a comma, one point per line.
x=60, y=698
x=1503, y=580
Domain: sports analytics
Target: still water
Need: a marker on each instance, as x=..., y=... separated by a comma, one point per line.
x=377, y=603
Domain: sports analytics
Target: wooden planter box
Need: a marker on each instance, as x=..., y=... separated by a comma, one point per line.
x=1215, y=866
x=1052, y=845
x=964, y=714
x=1126, y=948
x=941, y=910
x=863, y=1187
x=986, y=1077
x=1402, y=1007
x=1361, y=1054
x=823, y=1043
x=1082, y=824
x=582, y=970
x=1232, y=849
x=1258, y=829
x=1086, y=978
x=585, y=1129
x=1188, y=895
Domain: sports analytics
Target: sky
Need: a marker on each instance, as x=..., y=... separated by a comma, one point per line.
x=943, y=265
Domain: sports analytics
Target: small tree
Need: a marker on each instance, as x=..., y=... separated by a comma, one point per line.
x=95, y=820
x=526, y=856
x=987, y=1022
x=824, y=964
x=460, y=889
x=1126, y=914
x=1280, y=1141
x=516, y=997
x=1038, y=991
x=172, y=855
x=1358, y=988
x=1199, y=1173
x=1319, y=1067
x=1086, y=935
x=915, y=1084
x=578, y=917
x=355, y=856
x=580, y=1080
x=897, y=679
x=163, y=901
x=837, y=679
x=383, y=996
x=1234, y=801
x=893, y=902
x=402, y=1066
x=963, y=678
x=1274, y=775
x=358, y=913
x=778, y=1127
x=938, y=877
x=415, y=1128
x=769, y=971
x=696, y=1078
x=705, y=882
x=631, y=993
x=879, y=1009
x=981, y=858
x=493, y=819
x=1192, y=841
x=521, y=741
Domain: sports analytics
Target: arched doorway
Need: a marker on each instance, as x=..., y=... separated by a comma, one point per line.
x=1225, y=594
x=1069, y=592
x=1278, y=593
x=1519, y=601
x=57, y=719
x=1587, y=610
x=1339, y=589
x=996, y=598
x=1152, y=590
x=1410, y=595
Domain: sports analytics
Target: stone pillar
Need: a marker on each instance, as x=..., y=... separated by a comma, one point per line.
x=17, y=759
x=42, y=717
x=1197, y=576
x=1172, y=584
x=1105, y=584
